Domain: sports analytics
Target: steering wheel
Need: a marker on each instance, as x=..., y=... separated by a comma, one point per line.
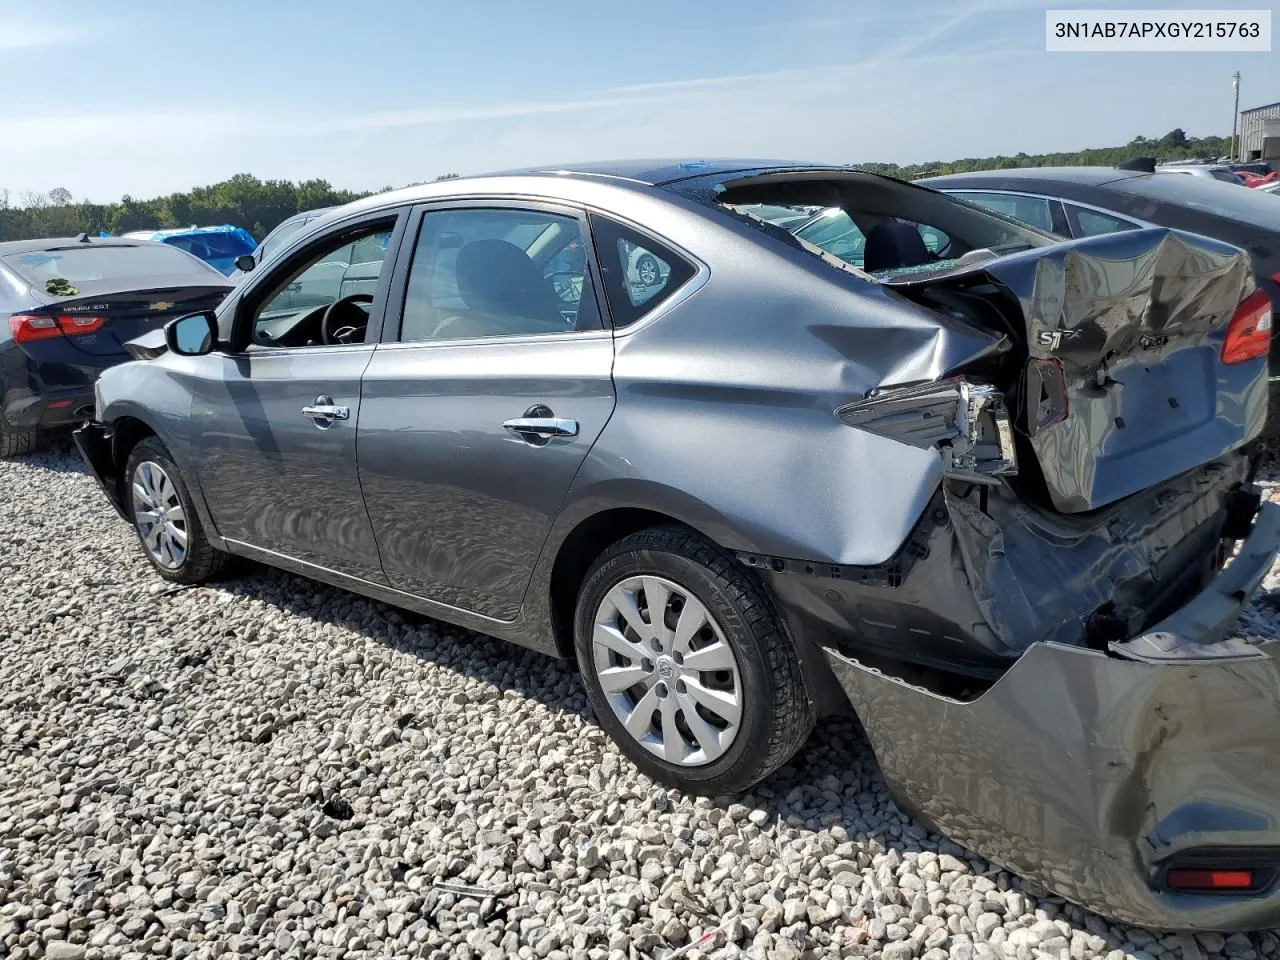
x=332, y=315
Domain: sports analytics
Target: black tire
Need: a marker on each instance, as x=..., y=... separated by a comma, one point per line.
x=17, y=443
x=201, y=561
x=777, y=714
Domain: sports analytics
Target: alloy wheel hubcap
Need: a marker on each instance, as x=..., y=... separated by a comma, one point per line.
x=667, y=671
x=158, y=515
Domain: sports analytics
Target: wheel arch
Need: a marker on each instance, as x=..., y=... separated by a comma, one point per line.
x=578, y=551
x=130, y=425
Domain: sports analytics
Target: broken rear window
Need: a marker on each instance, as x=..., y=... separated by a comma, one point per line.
x=876, y=225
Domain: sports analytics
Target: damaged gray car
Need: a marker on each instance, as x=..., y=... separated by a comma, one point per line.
x=990, y=488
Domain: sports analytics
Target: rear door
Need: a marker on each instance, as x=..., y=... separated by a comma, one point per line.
x=493, y=381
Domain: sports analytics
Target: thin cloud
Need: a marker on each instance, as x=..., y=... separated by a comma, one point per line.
x=34, y=36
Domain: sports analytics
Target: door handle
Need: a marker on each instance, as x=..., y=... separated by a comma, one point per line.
x=324, y=412
x=545, y=428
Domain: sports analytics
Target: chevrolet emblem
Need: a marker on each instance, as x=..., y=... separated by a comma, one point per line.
x=160, y=306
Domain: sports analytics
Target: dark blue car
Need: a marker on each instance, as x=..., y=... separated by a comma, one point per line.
x=67, y=309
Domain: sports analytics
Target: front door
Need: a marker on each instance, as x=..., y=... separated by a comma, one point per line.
x=482, y=402
x=274, y=422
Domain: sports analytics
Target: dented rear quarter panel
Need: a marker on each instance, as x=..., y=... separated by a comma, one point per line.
x=726, y=406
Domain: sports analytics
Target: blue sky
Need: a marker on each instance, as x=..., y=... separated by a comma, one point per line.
x=149, y=96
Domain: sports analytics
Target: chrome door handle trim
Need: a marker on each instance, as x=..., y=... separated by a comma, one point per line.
x=324, y=411
x=327, y=412
x=547, y=428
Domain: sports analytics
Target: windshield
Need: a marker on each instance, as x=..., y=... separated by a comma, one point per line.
x=84, y=264
x=1202, y=193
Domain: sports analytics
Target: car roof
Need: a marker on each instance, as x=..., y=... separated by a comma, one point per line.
x=633, y=175
x=655, y=173
x=55, y=243
x=1084, y=176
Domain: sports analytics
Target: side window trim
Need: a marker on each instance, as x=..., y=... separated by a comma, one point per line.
x=1057, y=217
x=393, y=320
x=247, y=300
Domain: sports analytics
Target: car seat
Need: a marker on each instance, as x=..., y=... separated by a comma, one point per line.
x=892, y=245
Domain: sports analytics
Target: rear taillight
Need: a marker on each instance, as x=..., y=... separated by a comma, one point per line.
x=1249, y=334
x=1194, y=880
x=27, y=327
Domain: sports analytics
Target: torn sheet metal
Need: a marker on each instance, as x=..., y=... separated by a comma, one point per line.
x=1123, y=333
x=1037, y=576
x=1091, y=774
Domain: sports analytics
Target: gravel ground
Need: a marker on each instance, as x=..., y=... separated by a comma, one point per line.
x=274, y=768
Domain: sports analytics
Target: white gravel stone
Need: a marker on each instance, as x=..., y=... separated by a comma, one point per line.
x=268, y=767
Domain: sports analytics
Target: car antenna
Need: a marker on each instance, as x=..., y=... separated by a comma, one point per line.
x=1142, y=164
x=82, y=238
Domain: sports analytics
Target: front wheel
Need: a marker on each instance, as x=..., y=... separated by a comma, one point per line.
x=686, y=665
x=165, y=518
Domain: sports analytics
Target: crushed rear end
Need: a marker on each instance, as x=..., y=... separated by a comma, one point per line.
x=1048, y=670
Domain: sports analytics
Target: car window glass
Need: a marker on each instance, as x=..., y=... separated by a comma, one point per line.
x=498, y=272
x=292, y=314
x=1034, y=211
x=835, y=232
x=278, y=237
x=88, y=262
x=640, y=272
x=1091, y=223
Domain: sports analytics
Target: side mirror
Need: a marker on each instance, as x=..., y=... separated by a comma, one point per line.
x=245, y=262
x=193, y=335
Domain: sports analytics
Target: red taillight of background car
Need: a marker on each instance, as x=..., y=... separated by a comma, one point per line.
x=1249, y=335
x=1210, y=879
x=27, y=327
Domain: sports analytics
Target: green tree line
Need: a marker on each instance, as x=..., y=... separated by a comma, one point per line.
x=1174, y=145
x=243, y=201
x=258, y=205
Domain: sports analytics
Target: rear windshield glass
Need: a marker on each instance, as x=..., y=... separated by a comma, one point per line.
x=84, y=264
x=1202, y=193
x=880, y=226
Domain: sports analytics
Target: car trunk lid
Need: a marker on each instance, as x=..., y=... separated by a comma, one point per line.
x=1118, y=379
x=101, y=318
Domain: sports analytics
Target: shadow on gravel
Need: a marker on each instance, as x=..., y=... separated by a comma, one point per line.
x=56, y=452
x=503, y=665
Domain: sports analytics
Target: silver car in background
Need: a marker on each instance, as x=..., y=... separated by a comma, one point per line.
x=981, y=486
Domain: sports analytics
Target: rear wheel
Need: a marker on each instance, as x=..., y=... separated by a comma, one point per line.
x=686, y=665
x=165, y=518
x=15, y=443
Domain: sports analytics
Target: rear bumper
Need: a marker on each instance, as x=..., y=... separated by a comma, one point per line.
x=1092, y=773
x=94, y=442
x=50, y=409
